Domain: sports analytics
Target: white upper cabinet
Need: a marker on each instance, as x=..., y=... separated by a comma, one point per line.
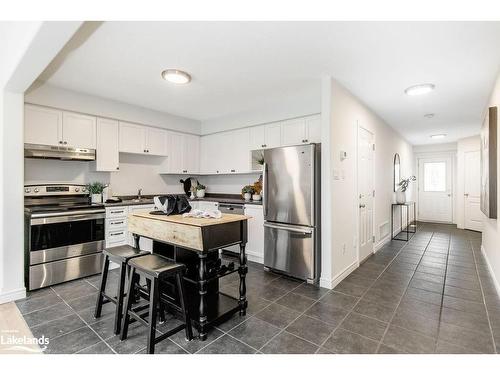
x=132, y=138
x=210, y=154
x=47, y=126
x=140, y=139
x=239, y=158
x=191, y=154
x=294, y=132
x=183, y=154
x=272, y=135
x=265, y=136
x=107, y=151
x=313, y=124
x=42, y=126
x=301, y=130
x=79, y=130
x=156, y=141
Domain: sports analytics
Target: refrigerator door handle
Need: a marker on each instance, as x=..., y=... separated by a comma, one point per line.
x=264, y=184
x=289, y=229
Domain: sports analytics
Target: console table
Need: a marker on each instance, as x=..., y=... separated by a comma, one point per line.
x=409, y=224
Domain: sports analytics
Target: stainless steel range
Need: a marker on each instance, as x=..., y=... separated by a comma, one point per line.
x=64, y=234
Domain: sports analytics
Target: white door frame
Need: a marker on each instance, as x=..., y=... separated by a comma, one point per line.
x=356, y=200
x=425, y=155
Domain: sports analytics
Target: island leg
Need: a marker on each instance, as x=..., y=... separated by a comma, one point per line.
x=243, y=287
x=202, y=283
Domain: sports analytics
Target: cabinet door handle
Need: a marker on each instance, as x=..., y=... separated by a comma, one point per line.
x=117, y=212
x=116, y=234
x=117, y=222
x=65, y=142
x=60, y=142
x=233, y=170
x=117, y=168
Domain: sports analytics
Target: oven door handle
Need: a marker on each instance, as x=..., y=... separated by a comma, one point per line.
x=65, y=218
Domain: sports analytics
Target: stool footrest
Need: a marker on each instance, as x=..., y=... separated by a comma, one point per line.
x=173, y=331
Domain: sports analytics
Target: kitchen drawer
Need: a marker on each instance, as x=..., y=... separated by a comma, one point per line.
x=117, y=238
x=112, y=212
x=116, y=224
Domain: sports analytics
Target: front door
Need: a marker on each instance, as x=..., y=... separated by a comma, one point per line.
x=472, y=182
x=435, y=200
x=365, y=192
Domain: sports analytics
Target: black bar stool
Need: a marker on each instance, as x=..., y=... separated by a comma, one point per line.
x=156, y=269
x=120, y=255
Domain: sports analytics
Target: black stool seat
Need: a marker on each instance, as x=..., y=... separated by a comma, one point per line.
x=124, y=252
x=156, y=266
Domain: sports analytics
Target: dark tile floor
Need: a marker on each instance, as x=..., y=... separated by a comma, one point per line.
x=433, y=294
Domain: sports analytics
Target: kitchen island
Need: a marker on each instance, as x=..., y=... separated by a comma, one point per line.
x=196, y=243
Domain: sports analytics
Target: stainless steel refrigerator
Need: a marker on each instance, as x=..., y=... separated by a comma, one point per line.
x=292, y=240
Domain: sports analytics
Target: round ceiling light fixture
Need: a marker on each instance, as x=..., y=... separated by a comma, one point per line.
x=429, y=115
x=420, y=89
x=176, y=76
x=437, y=136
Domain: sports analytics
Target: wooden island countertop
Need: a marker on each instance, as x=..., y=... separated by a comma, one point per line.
x=192, y=233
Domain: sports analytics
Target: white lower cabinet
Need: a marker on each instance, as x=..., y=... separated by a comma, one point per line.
x=255, y=244
x=117, y=229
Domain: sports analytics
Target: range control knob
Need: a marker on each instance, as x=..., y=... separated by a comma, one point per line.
x=84, y=189
x=77, y=190
x=27, y=190
x=36, y=190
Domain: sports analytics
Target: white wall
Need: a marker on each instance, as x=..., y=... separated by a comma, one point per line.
x=288, y=105
x=45, y=94
x=27, y=48
x=347, y=112
x=491, y=227
x=463, y=145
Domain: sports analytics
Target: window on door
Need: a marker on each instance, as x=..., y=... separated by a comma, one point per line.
x=435, y=177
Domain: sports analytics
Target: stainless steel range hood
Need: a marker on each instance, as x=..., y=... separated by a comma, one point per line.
x=58, y=152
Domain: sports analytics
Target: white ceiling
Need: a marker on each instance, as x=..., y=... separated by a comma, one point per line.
x=239, y=66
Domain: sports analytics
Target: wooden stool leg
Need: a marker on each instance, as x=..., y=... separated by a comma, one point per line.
x=184, y=306
x=102, y=287
x=119, y=298
x=128, y=303
x=154, y=298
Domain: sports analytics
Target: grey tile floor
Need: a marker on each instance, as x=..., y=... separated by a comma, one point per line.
x=433, y=294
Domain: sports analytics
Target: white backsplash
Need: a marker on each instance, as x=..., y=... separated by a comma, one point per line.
x=136, y=172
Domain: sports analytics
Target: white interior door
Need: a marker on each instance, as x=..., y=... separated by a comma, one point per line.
x=472, y=183
x=435, y=199
x=365, y=191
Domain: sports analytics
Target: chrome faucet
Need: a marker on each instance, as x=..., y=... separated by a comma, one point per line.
x=139, y=194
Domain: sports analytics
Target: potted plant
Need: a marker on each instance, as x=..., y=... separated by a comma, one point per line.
x=247, y=192
x=200, y=190
x=260, y=161
x=257, y=187
x=402, y=187
x=95, y=190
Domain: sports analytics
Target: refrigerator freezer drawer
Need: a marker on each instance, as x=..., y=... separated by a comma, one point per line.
x=290, y=249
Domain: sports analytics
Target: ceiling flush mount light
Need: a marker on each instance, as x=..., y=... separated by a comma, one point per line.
x=429, y=115
x=176, y=76
x=437, y=136
x=420, y=89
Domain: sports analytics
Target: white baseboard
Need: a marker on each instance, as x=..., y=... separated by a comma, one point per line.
x=381, y=243
x=12, y=295
x=493, y=276
x=255, y=257
x=332, y=283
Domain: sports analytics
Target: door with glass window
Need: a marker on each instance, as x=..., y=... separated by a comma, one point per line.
x=435, y=195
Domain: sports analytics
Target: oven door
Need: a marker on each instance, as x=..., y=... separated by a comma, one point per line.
x=60, y=236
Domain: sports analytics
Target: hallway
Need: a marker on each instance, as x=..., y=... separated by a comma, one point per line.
x=433, y=294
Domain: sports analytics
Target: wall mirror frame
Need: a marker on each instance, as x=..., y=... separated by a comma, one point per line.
x=396, y=171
